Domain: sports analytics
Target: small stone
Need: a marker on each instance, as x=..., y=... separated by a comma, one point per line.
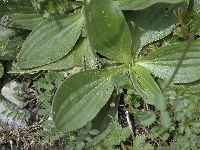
x=8, y=92
x=7, y=121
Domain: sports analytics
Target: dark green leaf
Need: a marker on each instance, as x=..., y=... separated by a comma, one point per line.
x=80, y=97
x=163, y=61
x=61, y=34
x=107, y=30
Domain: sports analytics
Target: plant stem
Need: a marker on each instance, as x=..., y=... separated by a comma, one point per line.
x=181, y=23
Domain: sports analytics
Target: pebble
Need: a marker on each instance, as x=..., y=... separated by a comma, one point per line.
x=8, y=93
x=7, y=123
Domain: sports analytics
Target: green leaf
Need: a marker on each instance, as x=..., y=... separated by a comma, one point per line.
x=139, y=140
x=25, y=21
x=107, y=30
x=43, y=112
x=103, y=118
x=163, y=61
x=84, y=131
x=19, y=6
x=117, y=134
x=81, y=56
x=159, y=102
x=178, y=105
x=146, y=28
x=94, y=132
x=61, y=34
x=5, y=31
x=142, y=4
x=148, y=119
x=89, y=125
x=165, y=119
x=98, y=141
x=80, y=97
x=144, y=83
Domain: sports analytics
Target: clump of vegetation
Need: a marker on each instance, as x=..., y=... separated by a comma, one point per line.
x=107, y=49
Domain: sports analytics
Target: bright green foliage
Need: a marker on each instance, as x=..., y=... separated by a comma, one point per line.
x=52, y=43
x=111, y=34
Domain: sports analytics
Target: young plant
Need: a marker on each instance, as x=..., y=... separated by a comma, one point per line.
x=102, y=44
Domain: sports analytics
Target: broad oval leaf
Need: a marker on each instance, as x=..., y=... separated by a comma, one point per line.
x=80, y=97
x=163, y=61
x=146, y=29
x=81, y=56
x=144, y=83
x=142, y=4
x=51, y=40
x=108, y=31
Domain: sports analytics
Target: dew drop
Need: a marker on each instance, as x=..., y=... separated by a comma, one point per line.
x=103, y=12
x=109, y=25
x=112, y=104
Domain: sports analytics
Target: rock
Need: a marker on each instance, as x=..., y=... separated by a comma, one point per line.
x=7, y=122
x=8, y=92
